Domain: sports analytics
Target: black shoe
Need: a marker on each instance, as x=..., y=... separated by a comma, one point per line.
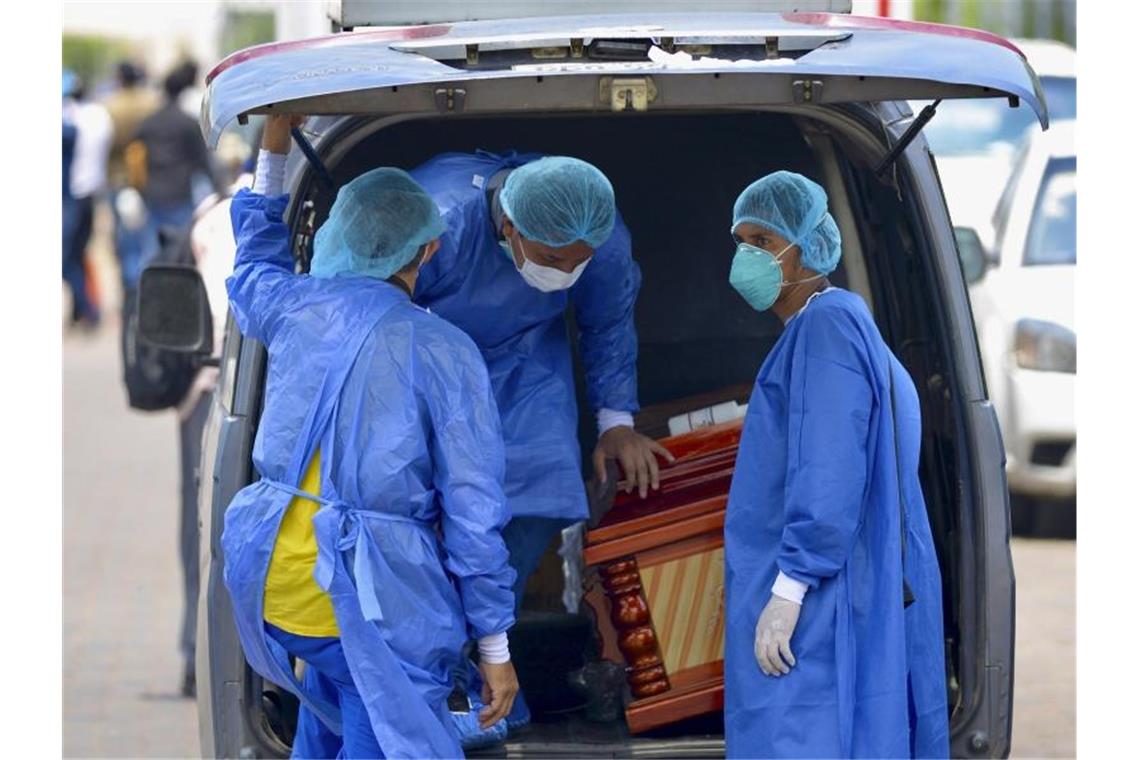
x=189, y=683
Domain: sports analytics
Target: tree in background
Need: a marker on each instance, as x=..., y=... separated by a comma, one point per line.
x=243, y=28
x=93, y=57
x=1049, y=19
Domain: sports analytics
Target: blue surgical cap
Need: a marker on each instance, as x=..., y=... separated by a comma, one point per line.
x=375, y=227
x=795, y=208
x=558, y=200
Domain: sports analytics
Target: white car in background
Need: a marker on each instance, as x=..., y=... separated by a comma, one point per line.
x=1022, y=293
x=975, y=141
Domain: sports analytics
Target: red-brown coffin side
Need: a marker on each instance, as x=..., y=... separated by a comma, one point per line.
x=660, y=563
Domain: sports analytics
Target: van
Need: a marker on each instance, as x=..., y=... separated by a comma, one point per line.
x=681, y=111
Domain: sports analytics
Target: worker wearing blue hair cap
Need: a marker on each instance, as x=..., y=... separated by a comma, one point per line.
x=527, y=236
x=833, y=639
x=370, y=546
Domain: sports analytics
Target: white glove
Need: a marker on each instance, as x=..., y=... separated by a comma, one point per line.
x=773, y=643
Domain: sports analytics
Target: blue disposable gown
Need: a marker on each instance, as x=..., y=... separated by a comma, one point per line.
x=409, y=543
x=815, y=494
x=522, y=333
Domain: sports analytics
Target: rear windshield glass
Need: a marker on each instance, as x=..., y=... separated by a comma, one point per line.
x=966, y=127
x=1053, y=231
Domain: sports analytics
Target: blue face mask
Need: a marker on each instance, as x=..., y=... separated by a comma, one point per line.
x=757, y=277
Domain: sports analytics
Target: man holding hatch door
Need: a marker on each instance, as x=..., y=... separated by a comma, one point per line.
x=370, y=547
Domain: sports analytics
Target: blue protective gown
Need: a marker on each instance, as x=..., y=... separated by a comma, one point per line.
x=409, y=543
x=522, y=334
x=815, y=494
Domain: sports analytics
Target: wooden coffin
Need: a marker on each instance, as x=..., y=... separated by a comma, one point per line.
x=658, y=591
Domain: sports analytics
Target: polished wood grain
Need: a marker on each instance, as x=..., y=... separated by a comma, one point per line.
x=712, y=522
x=660, y=561
x=636, y=637
x=679, y=704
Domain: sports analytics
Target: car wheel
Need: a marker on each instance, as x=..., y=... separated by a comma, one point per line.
x=1042, y=518
x=1057, y=519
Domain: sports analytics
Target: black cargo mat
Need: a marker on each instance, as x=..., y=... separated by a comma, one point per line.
x=574, y=736
x=545, y=646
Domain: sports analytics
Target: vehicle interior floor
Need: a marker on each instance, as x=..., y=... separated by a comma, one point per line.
x=573, y=735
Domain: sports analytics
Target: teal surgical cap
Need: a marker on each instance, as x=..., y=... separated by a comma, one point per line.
x=375, y=227
x=559, y=200
x=795, y=208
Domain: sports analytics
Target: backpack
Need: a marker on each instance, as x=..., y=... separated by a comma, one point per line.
x=156, y=378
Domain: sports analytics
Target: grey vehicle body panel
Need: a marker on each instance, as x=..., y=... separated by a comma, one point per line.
x=223, y=730
x=990, y=572
x=352, y=13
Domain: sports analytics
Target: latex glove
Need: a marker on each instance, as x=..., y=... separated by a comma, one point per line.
x=773, y=643
x=637, y=455
x=500, y=685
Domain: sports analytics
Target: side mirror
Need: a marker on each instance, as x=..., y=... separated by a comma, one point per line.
x=174, y=310
x=971, y=253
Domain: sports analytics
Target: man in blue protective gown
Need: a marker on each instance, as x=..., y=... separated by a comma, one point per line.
x=370, y=547
x=833, y=594
x=526, y=236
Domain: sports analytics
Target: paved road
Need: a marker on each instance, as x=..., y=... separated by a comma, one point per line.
x=122, y=586
x=121, y=577
x=1045, y=663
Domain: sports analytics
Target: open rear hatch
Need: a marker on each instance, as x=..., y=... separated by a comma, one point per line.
x=619, y=62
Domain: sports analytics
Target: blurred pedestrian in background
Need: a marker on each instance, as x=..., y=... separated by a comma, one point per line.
x=85, y=178
x=69, y=134
x=191, y=98
x=190, y=101
x=128, y=106
x=163, y=159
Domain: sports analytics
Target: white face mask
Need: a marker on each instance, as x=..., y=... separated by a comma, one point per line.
x=545, y=279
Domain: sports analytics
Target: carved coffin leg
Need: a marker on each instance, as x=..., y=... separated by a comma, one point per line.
x=636, y=638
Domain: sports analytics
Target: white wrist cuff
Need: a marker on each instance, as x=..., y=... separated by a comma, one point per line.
x=610, y=418
x=269, y=178
x=789, y=588
x=494, y=649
